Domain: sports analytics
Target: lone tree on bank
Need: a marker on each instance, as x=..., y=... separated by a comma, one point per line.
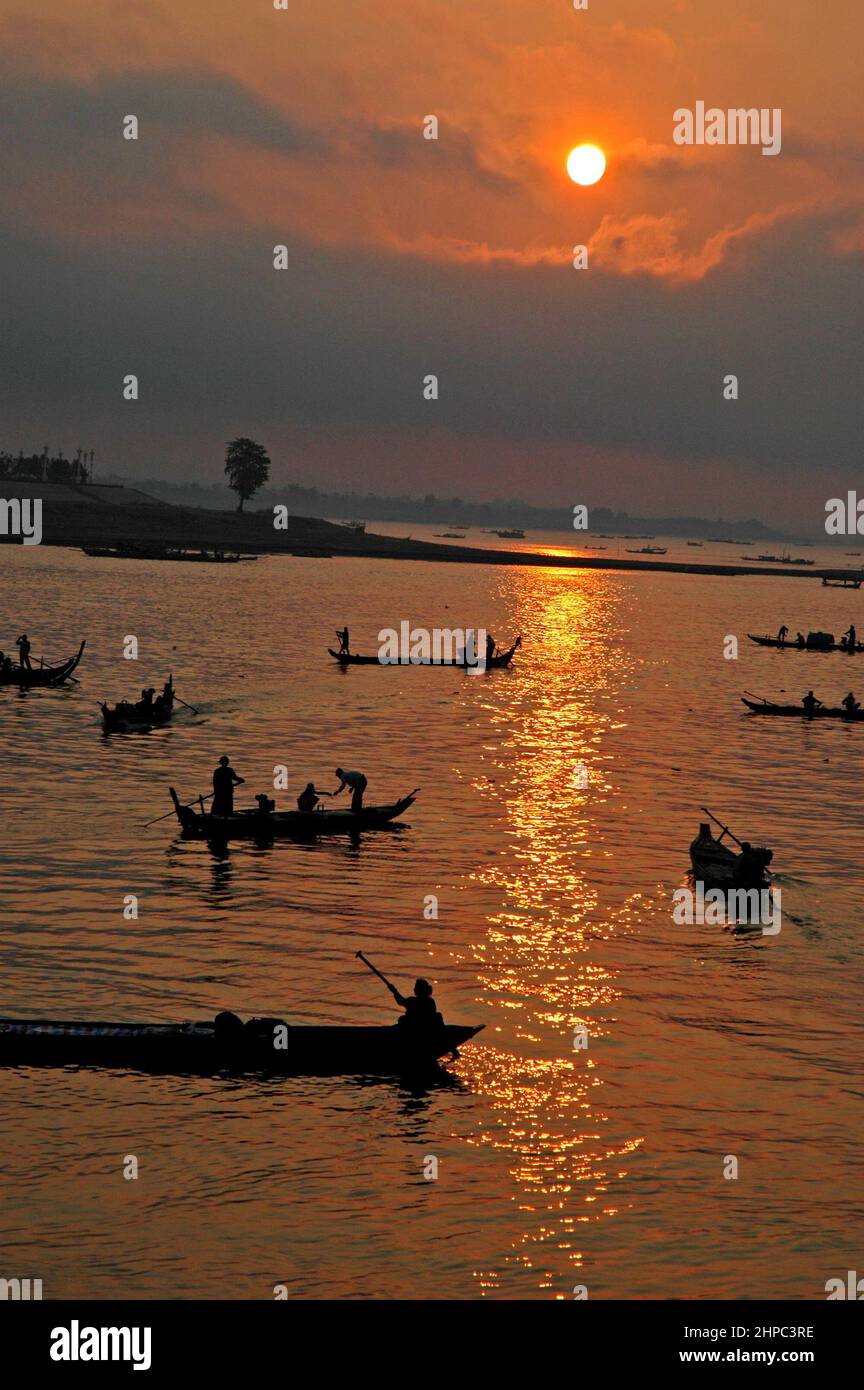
x=248, y=467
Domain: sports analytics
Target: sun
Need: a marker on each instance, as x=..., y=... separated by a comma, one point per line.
x=586, y=164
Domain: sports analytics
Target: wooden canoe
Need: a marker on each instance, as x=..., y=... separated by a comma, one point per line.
x=497, y=663
x=797, y=711
x=291, y=825
x=209, y=1048
x=806, y=646
x=42, y=675
x=717, y=866
x=131, y=718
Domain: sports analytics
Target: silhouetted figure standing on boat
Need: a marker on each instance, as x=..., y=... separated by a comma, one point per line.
x=225, y=779
x=357, y=782
x=23, y=645
x=783, y=633
x=810, y=703
x=344, y=640
x=851, y=639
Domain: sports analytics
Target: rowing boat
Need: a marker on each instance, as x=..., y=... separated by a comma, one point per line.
x=256, y=824
x=798, y=711
x=717, y=866
x=129, y=718
x=226, y=1045
x=494, y=663
x=26, y=677
x=810, y=645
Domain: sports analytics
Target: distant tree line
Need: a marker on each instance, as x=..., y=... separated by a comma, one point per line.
x=48, y=468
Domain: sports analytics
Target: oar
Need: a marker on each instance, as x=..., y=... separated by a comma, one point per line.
x=375, y=971
x=756, y=697
x=183, y=702
x=172, y=812
x=724, y=828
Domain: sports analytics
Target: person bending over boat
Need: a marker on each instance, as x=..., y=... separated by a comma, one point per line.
x=810, y=703
x=783, y=633
x=850, y=704
x=309, y=798
x=801, y=640
x=357, y=782
x=23, y=645
x=342, y=634
x=225, y=779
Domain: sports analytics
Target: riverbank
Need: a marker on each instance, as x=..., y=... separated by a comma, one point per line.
x=106, y=515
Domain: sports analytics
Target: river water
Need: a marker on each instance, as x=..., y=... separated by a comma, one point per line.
x=555, y=1168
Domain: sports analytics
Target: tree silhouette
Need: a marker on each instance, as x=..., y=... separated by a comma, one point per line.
x=248, y=467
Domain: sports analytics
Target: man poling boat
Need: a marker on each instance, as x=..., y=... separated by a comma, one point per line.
x=809, y=708
x=715, y=865
x=264, y=823
x=421, y=1019
x=29, y=675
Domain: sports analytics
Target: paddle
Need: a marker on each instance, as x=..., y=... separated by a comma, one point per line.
x=183, y=702
x=375, y=971
x=755, y=697
x=172, y=812
x=724, y=828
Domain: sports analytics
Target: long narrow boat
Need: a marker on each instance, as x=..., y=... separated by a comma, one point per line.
x=292, y=825
x=798, y=711
x=495, y=663
x=806, y=646
x=840, y=583
x=130, y=718
x=26, y=677
x=265, y=1045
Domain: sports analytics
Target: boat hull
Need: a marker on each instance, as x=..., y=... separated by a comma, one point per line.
x=290, y=825
x=796, y=712
x=27, y=679
x=198, y=1048
x=495, y=663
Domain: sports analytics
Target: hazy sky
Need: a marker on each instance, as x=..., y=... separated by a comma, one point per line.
x=409, y=256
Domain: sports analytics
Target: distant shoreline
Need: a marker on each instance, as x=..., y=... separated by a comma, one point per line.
x=75, y=517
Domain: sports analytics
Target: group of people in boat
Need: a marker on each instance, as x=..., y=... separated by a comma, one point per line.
x=811, y=704
x=225, y=779
x=848, y=642
x=147, y=707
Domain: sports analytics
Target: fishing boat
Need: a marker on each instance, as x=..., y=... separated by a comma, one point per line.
x=512, y=533
x=126, y=717
x=648, y=550
x=798, y=711
x=41, y=675
x=814, y=642
x=840, y=583
x=494, y=663
x=262, y=824
x=226, y=1045
x=717, y=866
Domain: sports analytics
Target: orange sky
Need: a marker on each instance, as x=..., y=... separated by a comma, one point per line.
x=304, y=126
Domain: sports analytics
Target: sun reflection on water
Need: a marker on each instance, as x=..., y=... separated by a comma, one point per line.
x=540, y=957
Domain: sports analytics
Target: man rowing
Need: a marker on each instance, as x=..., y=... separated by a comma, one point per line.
x=850, y=704
x=810, y=703
x=342, y=634
x=357, y=782
x=23, y=645
x=225, y=779
x=421, y=1011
